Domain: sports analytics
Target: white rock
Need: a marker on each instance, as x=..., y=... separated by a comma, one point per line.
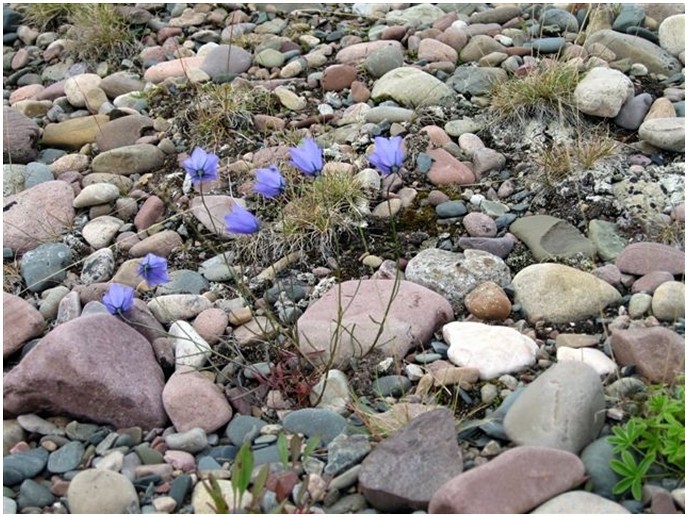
x=100, y=231
x=594, y=358
x=493, y=350
x=668, y=301
x=332, y=392
x=77, y=86
x=201, y=501
x=671, y=34
x=602, y=92
x=665, y=133
x=171, y=307
x=96, y=194
x=190, y=348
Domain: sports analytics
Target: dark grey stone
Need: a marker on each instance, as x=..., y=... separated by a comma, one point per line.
x=546, y=45
x=36, y=173
x=270, y=454
x=346, y=451
x=596, y=457
x=630, y=15
x=448, y=209
x=476, y=80
x=498, y=246
x=392, y=386
x=565, y=20
x=633, y=111
x=381, y=61
x=184, y=281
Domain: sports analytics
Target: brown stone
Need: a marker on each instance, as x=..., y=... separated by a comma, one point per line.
x=448, y=170
x=661, y=108
x=19, y=144
x=650, y=281
x=657, y=352
x=122, y=131
x=338, y=77
x=161, y=244
x=489, y=302
x=150, y=213
x=641, y=258
x=434, y=50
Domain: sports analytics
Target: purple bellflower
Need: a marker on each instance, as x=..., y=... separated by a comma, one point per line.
x=269, y=182
x=201, y=166
x=387, y=155
x=240, y=220
x=307, y=157
x=153, y=269
x=118, y=299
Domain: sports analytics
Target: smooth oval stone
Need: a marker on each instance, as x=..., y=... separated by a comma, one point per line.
x=66, y=458
x=451, y=209
x=392, y=385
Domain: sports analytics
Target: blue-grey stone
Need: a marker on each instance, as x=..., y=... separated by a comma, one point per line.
x=346, y=451
x=423, y=163
x=440, y=348
x=9, y=505
x=291, y=288
x=546, y=45
x=45, y=266
x=392, y=386
x=23, y=465
x=207, y=463
x=221, y=453
x=476, y=80
x=679, y=108
x=66, y=458
x=10, y=19
x=315, y=422
x=36, y=173
x=427, y=358
x=596, y=457
x=644, y=33
x=78, y=431
x=184, y=281
x=565, y=20
x=34, y=494
x=449, y=209
x=630, y=15
x=243, y=428
x=180, y=487
x=265, y=439
x=48, y=156
x=633, y=111
x=270, y=454
x=7, y=253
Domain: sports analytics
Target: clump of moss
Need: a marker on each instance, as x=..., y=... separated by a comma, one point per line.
x=546, y=92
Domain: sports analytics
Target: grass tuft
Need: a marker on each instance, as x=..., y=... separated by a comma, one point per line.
x=45, y=16
x=103, y=33
x=545, y=93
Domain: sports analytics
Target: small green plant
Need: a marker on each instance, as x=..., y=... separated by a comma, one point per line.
x=653, y=439
x=545, y=92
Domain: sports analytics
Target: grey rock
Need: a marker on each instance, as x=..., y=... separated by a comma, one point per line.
x=226, y=59
x=605, y=237
x=664, y=133
x=633, y=111
x=184, y=281
x=45, y=266
x=596, y=457
x=381, y=61
x=448, y=209
x=392, y=385
x=549, y=237
x=630, y=15
x=454, y=275
x=102, y=491
x=404, y=471
x=23, y=465
x=66, y=458
x=36, y=173
x=243, y=428
x=410, y=87
x=564, y=408
x=20, y=144
x=194, y=440
x=476, y=80
x=34, y=494
x=565, y=20
x=13, y=178
x=98, y=266
x=546, y=45
x=581, y=502
x=498, y=246
x=315, y=422
x=129, y=159
x=344, y=452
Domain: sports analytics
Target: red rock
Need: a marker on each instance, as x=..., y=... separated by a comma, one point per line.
x=30, y=91
x=53, y=91
x=338, y=77
x=176, y=68
x=21, y=322
x=650, y=281
x=433, y=50
x=161, y=244
x=360, y=93
x=93, y=368
x=489, y=302
x=363, y=304
x=211, y=325
x=19, y=144
x=192, y=400
x=394, y=32
x=437, y=135
x=448, y=170
x=37, y=215
x=478, y=224
x=455, y=38
x=404, y=471
x=122, y=131
x=516, y=481
x=180, y=460
x=640, y=258
x=150, y=213
x=657, y=352
x=445, y=21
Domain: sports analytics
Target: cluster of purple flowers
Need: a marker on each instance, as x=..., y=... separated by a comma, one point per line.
x=119, y=298
x=201, y=166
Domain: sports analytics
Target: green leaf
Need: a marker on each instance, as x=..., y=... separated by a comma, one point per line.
x=213, y=488
x=241, y=470
x=283, y=450
x=311, y=445
x=295, y=449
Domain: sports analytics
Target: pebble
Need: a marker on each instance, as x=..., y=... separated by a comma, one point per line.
x=66, y=458
x=101, y=491
x=45, y=266
x=322, y=423
x=391, y=386
x=194, y=440
x=668, y=301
